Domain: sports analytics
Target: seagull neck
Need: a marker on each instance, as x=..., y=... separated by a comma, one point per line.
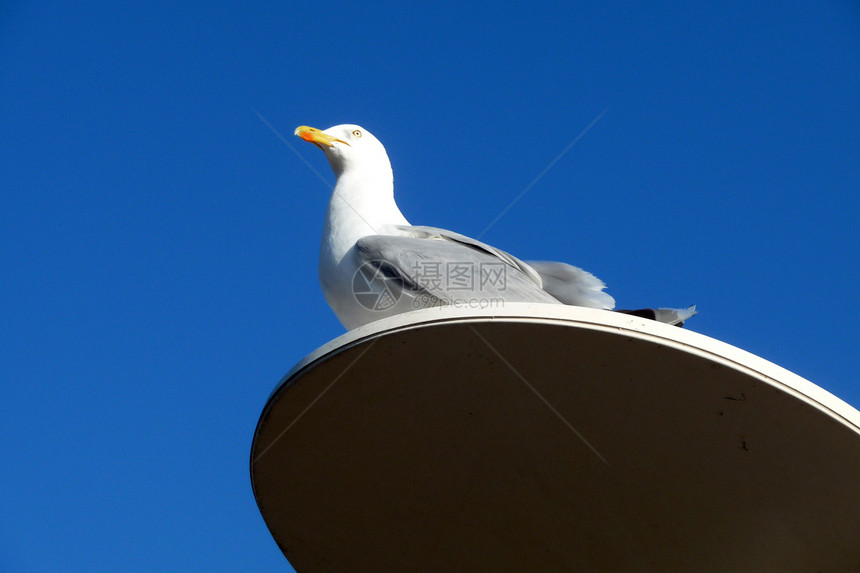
x=361, y=207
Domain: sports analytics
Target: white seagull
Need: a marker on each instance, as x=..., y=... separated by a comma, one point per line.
x=374, y=263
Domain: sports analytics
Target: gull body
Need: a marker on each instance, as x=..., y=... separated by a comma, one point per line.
x=374, y=264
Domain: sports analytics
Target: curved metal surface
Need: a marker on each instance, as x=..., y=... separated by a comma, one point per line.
x=542, y=437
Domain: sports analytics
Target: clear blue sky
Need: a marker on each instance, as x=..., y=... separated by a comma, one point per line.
x=159, y=243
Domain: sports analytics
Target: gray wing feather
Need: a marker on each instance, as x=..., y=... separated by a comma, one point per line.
x=572, y=285
x=451, y=267
x=425, y=232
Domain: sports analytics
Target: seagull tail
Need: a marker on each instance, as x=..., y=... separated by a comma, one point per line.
x=673, y=316
x=572, y=285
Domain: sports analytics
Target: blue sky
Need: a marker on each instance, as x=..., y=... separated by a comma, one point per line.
x=159, y=242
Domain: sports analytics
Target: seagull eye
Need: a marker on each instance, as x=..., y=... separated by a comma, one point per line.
x=357, y=133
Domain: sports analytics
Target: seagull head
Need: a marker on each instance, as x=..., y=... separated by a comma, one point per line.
x=348, y=147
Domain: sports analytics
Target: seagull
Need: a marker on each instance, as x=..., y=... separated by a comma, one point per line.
x=374, y=264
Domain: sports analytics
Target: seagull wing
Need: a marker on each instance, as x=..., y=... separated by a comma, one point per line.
x=442, y=267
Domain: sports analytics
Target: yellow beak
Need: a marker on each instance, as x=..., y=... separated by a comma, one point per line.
x=317, y=137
